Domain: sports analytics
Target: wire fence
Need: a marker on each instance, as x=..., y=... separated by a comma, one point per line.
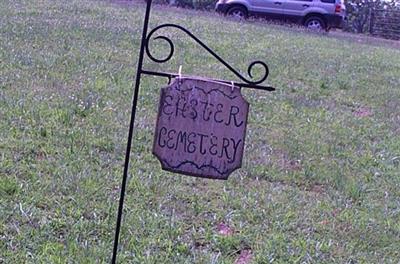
x=385, y=23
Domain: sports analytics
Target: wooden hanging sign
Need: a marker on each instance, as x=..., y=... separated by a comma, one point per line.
x=201, y=128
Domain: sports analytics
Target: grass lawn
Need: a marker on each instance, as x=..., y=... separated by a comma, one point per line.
x=320, y=181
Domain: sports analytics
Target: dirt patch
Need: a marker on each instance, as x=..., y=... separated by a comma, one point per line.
x=364, y=39
x=125, y=2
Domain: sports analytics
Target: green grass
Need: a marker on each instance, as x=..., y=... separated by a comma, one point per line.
x=320, y=181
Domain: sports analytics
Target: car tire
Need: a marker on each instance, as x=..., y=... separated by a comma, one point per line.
x=315, y=23
x=237, y=12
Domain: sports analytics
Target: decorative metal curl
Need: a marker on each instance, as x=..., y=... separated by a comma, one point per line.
x=198, y=41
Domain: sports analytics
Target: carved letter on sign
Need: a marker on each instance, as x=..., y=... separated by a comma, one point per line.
x=201, y=127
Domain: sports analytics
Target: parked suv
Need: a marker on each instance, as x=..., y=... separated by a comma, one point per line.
x=314, y=14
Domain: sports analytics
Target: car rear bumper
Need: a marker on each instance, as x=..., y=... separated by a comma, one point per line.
x=334, y=21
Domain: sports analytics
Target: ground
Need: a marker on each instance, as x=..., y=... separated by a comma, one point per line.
x=320, y=181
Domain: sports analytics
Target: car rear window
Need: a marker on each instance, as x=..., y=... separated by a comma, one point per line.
x=328, y=1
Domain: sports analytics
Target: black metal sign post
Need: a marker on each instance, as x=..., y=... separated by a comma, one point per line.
x=144, y=48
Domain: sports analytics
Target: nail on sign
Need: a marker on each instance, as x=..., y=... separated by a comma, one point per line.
x=201, y=127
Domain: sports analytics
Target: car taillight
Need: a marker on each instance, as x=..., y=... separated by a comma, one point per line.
x=338, y=8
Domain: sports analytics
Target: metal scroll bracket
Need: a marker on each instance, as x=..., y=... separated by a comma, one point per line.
x=144, y=48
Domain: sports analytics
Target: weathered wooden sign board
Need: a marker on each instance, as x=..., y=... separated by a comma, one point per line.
x=201, y=127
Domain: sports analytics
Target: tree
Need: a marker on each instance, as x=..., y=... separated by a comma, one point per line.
x=360, y=12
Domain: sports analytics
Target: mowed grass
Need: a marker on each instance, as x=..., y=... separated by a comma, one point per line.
x=320, y=182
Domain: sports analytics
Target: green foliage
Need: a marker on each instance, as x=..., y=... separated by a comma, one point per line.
x=363, y=16
x=8, y=186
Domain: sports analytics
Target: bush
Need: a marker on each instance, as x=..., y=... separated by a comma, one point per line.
x=359, y=13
